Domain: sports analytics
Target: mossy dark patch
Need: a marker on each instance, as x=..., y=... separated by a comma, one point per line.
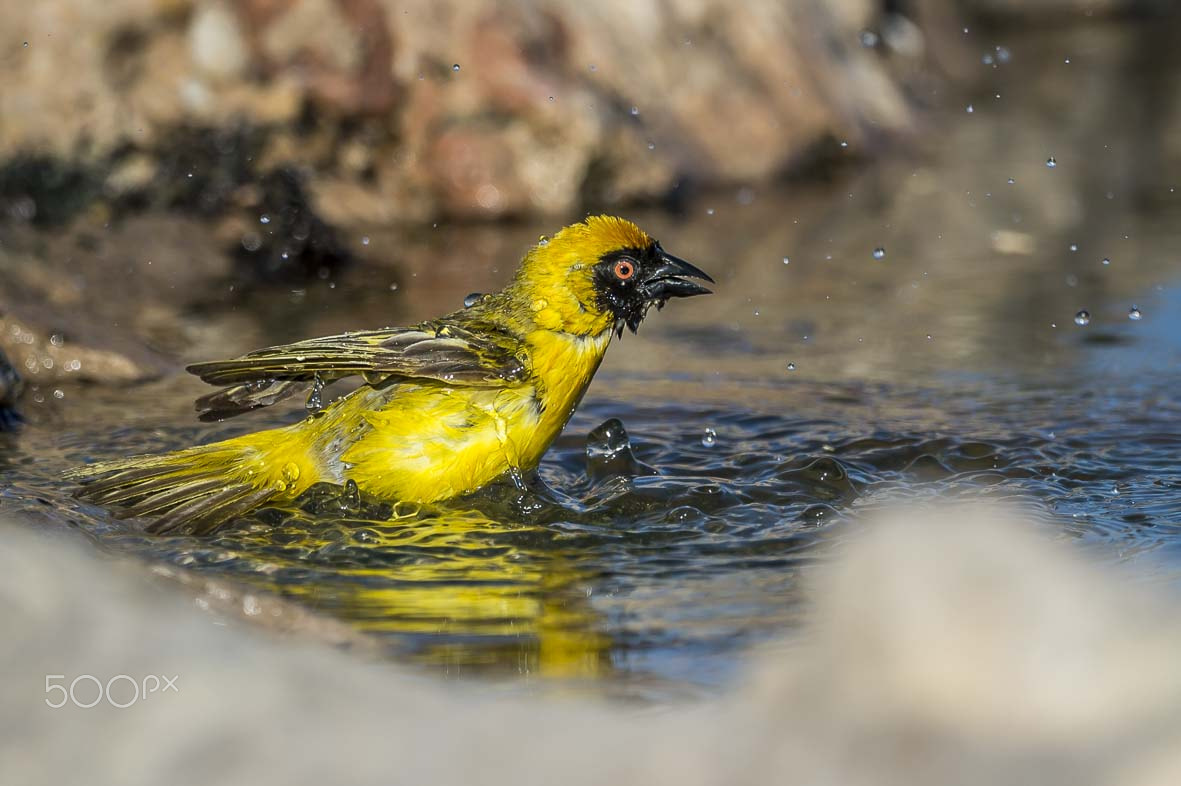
x=44, y=190
x=198, y=171
x=201, y=169
x=291, y=242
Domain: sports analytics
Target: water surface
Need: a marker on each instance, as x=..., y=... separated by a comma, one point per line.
x=819, y=379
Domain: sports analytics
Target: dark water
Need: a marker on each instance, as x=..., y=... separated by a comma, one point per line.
x=817, y=381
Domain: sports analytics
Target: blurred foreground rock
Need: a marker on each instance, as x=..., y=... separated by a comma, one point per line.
x=410, y=110
x=946, y=647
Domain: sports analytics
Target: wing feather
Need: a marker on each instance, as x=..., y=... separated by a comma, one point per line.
x=477, y=356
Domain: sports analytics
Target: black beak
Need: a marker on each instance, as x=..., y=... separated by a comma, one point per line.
x=670, y=279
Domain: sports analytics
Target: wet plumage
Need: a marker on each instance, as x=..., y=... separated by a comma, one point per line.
x=446, y=407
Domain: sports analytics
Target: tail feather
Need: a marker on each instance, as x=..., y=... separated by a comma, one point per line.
x=198, y=489
x=122, y=478
x=126, y=490
x=172, y=496
x=204, y=514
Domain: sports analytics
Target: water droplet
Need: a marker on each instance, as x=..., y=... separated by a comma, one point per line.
x=315, y=396
x=970, y=109
x=791, y=366
x=709, y=438
x=350, y=497
x=543, y=241
x=786, y=261
x=1003, y=55
x=472, y=299
x=290, y=472
x=651, y=145
x=26, y=44
x=879, y=253
x=1134, y=314
x=987, y=59
x=608, y=452
x=264, y=219
x=1074, y=246
x=844, y=143
x=365, y=240
x=1106, y=261
x=1082, y=318
x=709, y=211
x=405, y=510
x=1012, y=181
x=455, y=67
x=551, y=99
x=1051, y=163
x=869, y=39
x=635, y=110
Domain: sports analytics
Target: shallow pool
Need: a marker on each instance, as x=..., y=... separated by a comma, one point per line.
x=1017, y=336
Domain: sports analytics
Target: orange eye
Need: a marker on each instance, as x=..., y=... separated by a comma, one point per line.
x=625, y=269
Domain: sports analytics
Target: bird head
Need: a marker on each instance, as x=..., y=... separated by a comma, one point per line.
x=600, y=273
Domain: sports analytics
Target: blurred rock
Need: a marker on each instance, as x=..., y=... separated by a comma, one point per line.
x=1028, y=8
x=468, y=109
x=216, y=43
x=950, y=646
x=101, y=303
x=132, y=177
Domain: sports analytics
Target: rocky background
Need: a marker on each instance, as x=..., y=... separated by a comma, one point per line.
x=267, y=131
x=407, y=111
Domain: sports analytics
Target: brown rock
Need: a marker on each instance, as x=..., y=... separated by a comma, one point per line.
x=553, y=103
x=102, y=304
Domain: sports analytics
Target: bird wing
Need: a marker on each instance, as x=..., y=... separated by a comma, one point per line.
x=480, y=356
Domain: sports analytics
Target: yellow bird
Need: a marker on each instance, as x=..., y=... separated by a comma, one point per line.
x=448, y=405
